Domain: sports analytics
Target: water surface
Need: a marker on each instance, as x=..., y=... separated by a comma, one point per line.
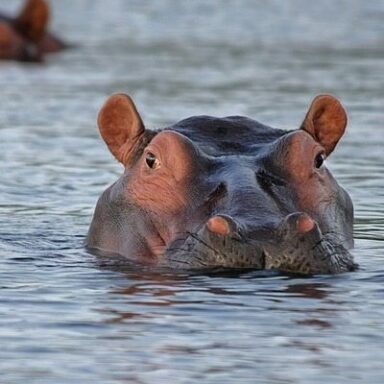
x=64, y=316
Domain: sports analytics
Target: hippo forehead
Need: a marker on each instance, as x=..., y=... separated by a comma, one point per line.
x=232, y=135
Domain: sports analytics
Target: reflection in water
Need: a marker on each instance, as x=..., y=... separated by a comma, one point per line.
x=151, y=291
x=177, y=306
x=310, y=290
x=315, y=323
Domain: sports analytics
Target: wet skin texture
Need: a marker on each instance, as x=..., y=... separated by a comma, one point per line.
x=25, y=37
x=227, y=192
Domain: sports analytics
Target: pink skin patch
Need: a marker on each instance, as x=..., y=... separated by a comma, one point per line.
x=218, y=225
x=304, y=224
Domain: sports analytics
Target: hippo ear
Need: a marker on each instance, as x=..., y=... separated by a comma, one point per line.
x=326, y=120
x=122, y=129
x=33, y=20
x=7, y=35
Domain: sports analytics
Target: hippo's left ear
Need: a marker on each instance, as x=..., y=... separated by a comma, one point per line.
x=33, y=20
x=326, y=120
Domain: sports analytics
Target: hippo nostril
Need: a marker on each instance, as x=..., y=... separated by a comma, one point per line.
x=219, y=225
x=304, y=223
x=298, y=223
x=223, y=225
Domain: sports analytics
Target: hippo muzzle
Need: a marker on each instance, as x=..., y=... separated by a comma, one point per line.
x=296, y=245
x=228, y=192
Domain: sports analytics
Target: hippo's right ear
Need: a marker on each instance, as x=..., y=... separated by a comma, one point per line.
x=122, y=129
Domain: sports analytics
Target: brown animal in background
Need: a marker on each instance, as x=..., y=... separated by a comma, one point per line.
x=26, y=37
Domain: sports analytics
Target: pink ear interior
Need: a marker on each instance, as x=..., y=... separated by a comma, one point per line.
x=326, y=121
x=120, y=126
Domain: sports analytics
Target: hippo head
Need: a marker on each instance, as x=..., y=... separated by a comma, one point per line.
x=25, y=38
x=225, y=192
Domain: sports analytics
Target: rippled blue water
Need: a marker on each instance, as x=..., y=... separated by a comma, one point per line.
x=64, y=317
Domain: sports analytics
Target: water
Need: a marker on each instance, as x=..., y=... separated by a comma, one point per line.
x=64, y=317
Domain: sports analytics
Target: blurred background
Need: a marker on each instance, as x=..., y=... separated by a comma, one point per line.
x=62, y=317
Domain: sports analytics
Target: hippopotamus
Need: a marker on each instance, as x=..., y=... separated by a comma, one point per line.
x=210, y=192
x=25, y=37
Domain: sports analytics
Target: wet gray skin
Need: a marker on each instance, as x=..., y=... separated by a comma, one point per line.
x=270, y=240
x=225, y=192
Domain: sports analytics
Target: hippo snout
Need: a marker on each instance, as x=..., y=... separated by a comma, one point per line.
x=303, y=248
x=295, y=245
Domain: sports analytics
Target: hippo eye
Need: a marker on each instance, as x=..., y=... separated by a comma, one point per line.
x=319, y=160
x=151, y=160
